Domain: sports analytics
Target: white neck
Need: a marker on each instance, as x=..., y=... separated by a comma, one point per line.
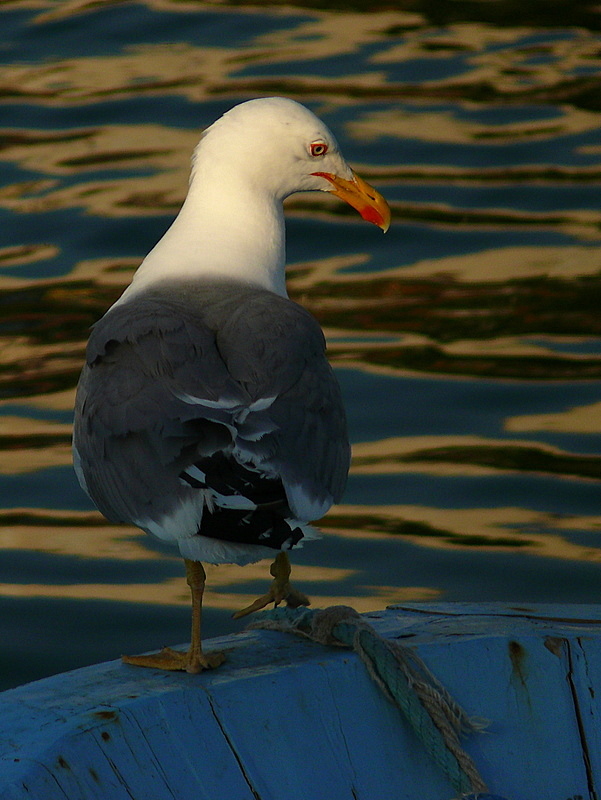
x=227, y=228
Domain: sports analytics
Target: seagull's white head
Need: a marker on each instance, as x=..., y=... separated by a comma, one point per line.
x=232, y=221
x=282, y=147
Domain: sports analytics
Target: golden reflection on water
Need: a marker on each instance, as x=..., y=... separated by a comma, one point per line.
x=450, y=315
x=581, y=419
x=221, y=592
x=71, y=533
x=28, y=445
x=156, y=148
x=89, y=536
x=491, y=529
x=444, y=126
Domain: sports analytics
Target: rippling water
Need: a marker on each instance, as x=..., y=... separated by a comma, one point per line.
x=467, y=340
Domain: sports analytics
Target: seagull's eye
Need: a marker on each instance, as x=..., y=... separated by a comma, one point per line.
x=318, y=149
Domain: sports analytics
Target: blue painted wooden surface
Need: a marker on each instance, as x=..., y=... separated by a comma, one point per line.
x=287, y=719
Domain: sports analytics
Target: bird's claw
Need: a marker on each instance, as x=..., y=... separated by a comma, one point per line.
x=276, y=594
x=281, y=589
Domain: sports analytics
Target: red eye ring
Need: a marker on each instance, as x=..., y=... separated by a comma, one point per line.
x=318, y=149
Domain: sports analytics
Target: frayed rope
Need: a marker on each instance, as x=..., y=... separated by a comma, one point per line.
x=406, y=681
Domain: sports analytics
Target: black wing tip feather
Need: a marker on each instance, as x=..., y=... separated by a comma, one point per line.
x=265, y=525
x=260, y=527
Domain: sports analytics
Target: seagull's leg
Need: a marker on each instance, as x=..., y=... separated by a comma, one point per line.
x=280, y=589
x=194, y=660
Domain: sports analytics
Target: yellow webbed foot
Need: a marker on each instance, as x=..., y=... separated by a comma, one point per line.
x=170, y=659
x=194, y=660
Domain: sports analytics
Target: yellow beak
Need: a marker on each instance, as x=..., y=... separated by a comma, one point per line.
x=361, y=196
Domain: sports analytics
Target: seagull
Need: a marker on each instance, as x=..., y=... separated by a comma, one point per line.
x=206, y=413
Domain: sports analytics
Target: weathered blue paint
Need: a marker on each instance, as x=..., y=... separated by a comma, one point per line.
x=287, y=719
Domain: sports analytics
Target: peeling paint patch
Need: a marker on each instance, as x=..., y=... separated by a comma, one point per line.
x=106, y=715
x=555, y=644
x=517, y=655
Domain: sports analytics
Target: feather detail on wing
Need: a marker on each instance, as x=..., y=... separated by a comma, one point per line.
x=209, y=412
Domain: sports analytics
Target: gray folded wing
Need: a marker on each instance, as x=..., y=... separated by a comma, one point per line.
x=185, y=370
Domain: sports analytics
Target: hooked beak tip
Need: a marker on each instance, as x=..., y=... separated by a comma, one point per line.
x=362, y=197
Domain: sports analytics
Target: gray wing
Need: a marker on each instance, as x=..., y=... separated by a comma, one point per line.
x=189, y=371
